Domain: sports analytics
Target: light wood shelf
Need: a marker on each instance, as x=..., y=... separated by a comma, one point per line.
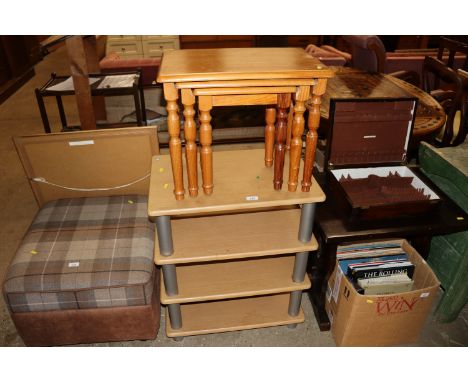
x=231, y=315
x=237, y=236
x=232, y=279
x=234, y=250
x=241, y=181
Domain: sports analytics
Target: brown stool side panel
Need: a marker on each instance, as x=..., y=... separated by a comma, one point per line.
x=75, y=326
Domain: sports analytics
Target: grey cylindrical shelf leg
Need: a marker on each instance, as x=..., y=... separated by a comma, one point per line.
x=294, y=303
x=163, y=227
x=175, y=316
x=292, y=326
x=300, y=265
x=170, y=279
x=307, y=222
x=177, y=339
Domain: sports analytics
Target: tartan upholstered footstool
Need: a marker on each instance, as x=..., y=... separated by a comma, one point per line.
x=84, y=273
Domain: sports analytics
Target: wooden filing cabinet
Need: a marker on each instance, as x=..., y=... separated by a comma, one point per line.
x=135, y=46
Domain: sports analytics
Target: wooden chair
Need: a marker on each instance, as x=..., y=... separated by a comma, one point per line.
x=454, y=48
x=451, y=100
x=463, y=130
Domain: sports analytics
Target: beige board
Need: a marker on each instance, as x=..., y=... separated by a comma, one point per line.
x=382, y=320
x=232, y=279
x=241, y=181
x=235, y=236
x=231, y=315
x=88, y=160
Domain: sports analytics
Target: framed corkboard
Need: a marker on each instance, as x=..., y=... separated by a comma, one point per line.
x=88, y=163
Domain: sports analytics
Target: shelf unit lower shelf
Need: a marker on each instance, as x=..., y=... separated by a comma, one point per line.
x=233, y=279
x=232, y=315
x=237, y=236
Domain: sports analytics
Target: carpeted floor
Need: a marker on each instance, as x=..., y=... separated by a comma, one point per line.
x=19, y=115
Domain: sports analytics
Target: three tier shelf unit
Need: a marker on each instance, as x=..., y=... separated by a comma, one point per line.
x=235, y=259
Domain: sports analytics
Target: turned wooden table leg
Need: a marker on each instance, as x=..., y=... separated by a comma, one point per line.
x=302, y=95
x=312, y=136
x=190, y=132
x=206, y=153
x=175, y=147
x=289, y=128
x=270, y=118
x=284, y=101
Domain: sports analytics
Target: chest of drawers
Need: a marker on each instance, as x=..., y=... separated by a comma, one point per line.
x=135, y=46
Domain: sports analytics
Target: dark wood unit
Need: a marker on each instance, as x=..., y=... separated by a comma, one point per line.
x=18, y=54
x=366, y=160
x=300, y=41
x=210, y=41
x=248, y=41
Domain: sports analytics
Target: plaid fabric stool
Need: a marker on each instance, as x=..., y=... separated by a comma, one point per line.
x=84, y=273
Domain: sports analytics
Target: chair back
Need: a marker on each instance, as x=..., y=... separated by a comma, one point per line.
x=460, y=138
x=453, y=47
x=368, y=53
x=451, y=100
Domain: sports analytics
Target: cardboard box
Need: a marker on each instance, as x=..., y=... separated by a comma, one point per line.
x=380, y=320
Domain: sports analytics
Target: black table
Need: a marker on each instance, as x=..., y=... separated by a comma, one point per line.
x=331, y=229
x=136, y=90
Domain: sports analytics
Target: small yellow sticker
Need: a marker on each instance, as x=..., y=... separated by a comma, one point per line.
x=369, y=301
x=130, y=201
x=33, y=252
x=460, y=218
x=161, y=169
x=166, y=185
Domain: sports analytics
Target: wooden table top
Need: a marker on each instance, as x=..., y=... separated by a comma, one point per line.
x=240, y=64
x=354, y=83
